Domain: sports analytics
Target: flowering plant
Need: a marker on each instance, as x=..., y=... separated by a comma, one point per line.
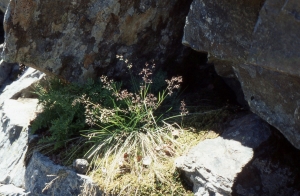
x=129, y=136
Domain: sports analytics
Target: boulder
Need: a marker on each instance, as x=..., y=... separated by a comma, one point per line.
x=223, y=29
x=80, y=39
x=256, y=43
x=43, y=177
x=274, y=169
x=249, y=158
x=213, y=164
x=40, y=176
x=15, y=118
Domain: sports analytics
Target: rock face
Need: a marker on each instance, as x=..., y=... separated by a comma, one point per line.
x=257, y=43
x=80, y=39
x=213, y=164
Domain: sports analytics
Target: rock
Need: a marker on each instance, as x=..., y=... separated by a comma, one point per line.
x=222, y=28
x=11, y=190
x=6, y=68
x=274, y=170
x=213, y=164
x=80, y=39
x=249, y=130
x=4, y=5
x=43, y=177
x=15, y=118
x=21, y=87
x=274, y=96
x=81, y=166
x=255, y=42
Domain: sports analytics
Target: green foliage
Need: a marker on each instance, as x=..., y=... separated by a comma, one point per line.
x=62, y=114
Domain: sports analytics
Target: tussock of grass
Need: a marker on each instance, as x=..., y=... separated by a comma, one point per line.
x=128, y=137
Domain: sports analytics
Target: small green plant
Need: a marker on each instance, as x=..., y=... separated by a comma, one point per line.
x=62, y=116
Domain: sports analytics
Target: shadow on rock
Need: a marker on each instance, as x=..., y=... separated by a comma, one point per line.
x=249, y=158
x=274, y=169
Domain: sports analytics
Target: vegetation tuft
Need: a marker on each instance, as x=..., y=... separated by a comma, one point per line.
x=131, y=138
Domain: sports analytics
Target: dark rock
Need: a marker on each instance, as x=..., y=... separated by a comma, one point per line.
x=1, y=25
x=80, y=39
x=274, y=96
x=222, y=28
x=257, y=43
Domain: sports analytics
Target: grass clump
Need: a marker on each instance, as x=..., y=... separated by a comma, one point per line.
x=130, y=137
x=133, y=139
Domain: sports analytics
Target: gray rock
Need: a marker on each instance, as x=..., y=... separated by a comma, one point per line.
x=249, y=130
x=21, y=87
x=81, y=166
x=43, y=178
x=6, y=69
x=274, y=170
x=213, y=164
x=4, y=5
x=221, y=28
x=255, y=42
x=15, y=118
x=274, y=96
x=11, y=190
x=80, y=39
